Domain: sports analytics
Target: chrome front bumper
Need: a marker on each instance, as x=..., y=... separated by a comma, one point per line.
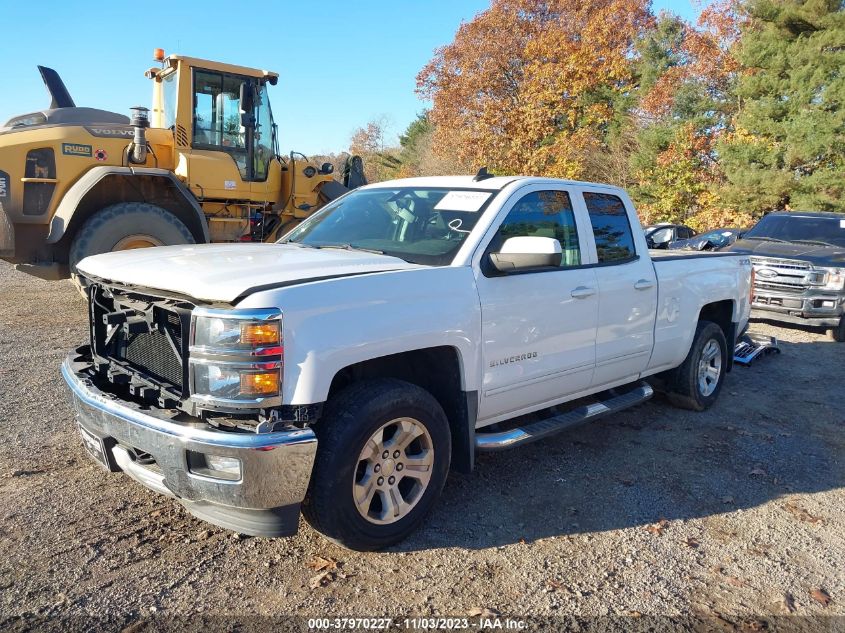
x=804, y=309
x=275, y=468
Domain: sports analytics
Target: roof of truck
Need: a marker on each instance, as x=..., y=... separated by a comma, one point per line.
x=468, y=182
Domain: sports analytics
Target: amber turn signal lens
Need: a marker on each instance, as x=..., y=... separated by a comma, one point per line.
x=158, y=54
x=259, y=334
x=260, y=384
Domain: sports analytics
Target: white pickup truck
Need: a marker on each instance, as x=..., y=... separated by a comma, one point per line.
x=389, y=337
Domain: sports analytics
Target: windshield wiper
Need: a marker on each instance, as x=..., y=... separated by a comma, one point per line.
x=813, y=242
x=349, y=247
x=766, y=239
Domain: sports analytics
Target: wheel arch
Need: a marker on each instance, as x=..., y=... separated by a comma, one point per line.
x=439, y=371
x=722, y=314
x=105, y=185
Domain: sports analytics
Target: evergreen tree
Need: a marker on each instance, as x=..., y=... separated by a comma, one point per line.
x=787, y=146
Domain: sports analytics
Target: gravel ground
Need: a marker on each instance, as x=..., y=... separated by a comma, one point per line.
x=734, y=516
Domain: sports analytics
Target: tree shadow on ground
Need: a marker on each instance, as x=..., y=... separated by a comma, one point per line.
x=775, y=431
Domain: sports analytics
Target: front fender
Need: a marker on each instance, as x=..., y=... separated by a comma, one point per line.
x=89, y=180
x=333, y=324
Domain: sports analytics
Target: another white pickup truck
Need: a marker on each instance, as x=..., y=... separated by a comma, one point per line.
x=391, y=336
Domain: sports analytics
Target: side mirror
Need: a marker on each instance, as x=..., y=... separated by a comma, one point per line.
x=247, y=99
x=326, y=168
x=525, y=253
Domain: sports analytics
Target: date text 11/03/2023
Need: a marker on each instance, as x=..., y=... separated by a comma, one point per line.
x=419, y=623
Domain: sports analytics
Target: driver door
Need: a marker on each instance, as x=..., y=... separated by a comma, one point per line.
x=218, y=160
x=538, y=327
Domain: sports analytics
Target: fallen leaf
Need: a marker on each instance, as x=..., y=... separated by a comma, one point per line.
x=801, y=514
x=635, y=614
x=658, y=527
x=789, y=602
x=554, y=585
x=321, y=580
x=736, y=582
x=692, y=542
x=522, y=541
x=483, y=612
x=820, y=596
x=319, y=563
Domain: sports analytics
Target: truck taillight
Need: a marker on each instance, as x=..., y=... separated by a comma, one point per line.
x=236, y=358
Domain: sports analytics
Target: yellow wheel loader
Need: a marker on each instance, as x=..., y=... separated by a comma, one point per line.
x=204, y=167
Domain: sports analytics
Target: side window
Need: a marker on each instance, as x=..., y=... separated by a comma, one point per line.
x=263, y=138
x=684, y=233
x=217, y=111
x=611, y=228
x=543, y=214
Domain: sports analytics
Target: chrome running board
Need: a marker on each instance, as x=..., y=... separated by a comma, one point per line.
x=488, y=442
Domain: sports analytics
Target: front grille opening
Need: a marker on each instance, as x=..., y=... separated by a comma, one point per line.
x=139, y=340
x=152, y=352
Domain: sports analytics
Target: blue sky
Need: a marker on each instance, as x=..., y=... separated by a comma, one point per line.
x=341, y=64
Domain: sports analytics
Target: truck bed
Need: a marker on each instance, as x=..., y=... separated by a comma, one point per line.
x=662, y=255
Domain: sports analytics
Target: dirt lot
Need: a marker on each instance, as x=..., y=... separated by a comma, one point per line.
x=736, y=514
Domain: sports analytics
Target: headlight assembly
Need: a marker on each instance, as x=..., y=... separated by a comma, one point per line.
x=835, y=279
x=236, y=358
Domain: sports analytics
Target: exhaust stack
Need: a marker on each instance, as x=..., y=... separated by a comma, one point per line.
x=138, y=148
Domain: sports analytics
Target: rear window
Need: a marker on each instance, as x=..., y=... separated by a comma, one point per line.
x=611, y=228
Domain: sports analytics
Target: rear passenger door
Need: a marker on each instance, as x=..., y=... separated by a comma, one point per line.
x=538, y=326
x=627, y=286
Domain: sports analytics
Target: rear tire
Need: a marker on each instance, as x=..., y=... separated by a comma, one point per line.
x=125, y=226
x=359, y=498
x=696, y=384
x=838, y=333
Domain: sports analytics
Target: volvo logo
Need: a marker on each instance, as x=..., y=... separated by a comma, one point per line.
x=767, y=273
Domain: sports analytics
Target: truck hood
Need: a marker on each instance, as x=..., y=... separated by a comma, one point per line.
x=227, y=272
x=817, y=255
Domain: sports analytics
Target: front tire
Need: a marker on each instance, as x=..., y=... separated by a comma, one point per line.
x=125, y=226
x=838, y=333
x=384, y=448
x=696, y=384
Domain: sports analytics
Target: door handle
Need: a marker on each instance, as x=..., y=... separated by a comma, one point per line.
x=643, y=284
x=582, y=292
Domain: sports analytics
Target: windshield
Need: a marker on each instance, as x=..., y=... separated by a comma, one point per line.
x=422, y=225
x=719, y=235
x=800, y=228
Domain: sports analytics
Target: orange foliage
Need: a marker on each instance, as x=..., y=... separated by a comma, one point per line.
x=528, y=86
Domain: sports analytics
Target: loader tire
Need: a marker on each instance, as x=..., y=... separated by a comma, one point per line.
x=124, y=226
x=696, y=383
x=383, y=454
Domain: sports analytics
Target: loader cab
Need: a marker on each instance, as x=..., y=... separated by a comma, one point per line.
x=223, y=128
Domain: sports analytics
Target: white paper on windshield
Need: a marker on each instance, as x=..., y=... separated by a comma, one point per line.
x=462, y=201
x=842, y=224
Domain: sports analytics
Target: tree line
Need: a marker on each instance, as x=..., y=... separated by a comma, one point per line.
x=711, y=123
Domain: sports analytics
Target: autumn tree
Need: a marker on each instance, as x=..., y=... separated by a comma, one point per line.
x=687, y=74
x=381, y=161
x=418, y=155
x=534, y=86
x=787, y=146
